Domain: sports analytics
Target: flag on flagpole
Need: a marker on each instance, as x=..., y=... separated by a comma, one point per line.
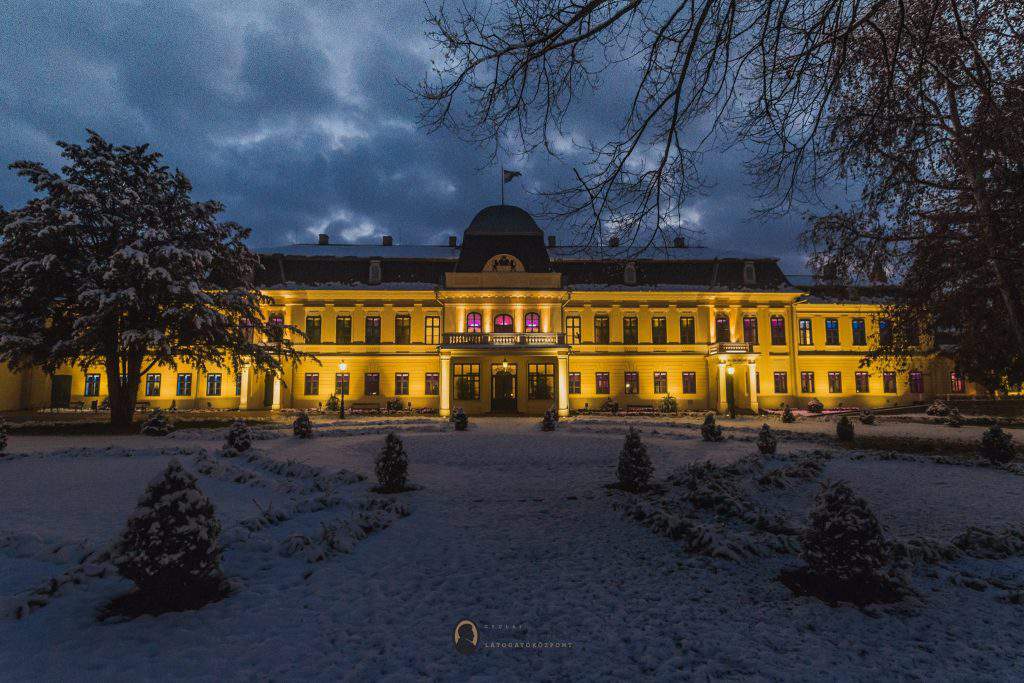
x=507, y=175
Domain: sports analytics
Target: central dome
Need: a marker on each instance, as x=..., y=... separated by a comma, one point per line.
x=503, y=219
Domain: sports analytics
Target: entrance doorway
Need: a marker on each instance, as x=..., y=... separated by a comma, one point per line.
x=268, y=391
x=503, y=388
x=60, y=391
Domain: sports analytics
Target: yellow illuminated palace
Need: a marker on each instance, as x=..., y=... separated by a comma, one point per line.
x=508, y=322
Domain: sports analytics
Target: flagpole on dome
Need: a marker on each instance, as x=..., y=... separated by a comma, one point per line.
x=506, y=177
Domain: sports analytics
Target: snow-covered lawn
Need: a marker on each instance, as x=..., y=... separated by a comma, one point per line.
x=514, y=530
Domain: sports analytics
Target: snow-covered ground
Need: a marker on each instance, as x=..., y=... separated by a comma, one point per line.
x=512, y=529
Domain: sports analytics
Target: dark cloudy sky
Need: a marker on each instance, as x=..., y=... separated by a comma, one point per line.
x=294, y=117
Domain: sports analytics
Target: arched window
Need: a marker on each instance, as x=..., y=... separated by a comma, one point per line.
x=532, y=322
x=474, y=322
x=503, y=323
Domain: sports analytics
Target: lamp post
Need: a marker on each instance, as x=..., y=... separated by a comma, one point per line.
x=342, y=367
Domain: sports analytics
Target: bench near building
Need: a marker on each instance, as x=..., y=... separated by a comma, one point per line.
x=508, y=322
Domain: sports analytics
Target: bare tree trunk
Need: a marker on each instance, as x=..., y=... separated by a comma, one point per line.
x=124, y=390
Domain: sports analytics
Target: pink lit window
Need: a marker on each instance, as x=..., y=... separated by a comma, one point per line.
x=532, y=322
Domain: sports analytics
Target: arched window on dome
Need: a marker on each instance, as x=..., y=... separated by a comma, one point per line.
x=503, y=323
x=532, y=322
x=474, y=322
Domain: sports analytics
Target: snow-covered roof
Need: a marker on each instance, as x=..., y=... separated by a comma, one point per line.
x=405, y=251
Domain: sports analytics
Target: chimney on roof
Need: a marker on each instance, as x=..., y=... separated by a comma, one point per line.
x=324, y=239
x=551, y=240
x=613, y=242
x=453, y=241
x=388, y=241
x=678, y=242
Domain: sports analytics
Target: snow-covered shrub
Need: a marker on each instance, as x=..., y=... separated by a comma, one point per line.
x=634, y=464
x=3, y=435
x=955, y=419
x=710, y=431
x=156, y=424
x=302, y=427
x=169, y=547
x=392, y=466
x=938, y=407
x=766, y=440
x=668, y=404
x=239, y=437
x=393, y=405
x=867, y=416
x=996, y=445
x=815, y=406
x=460, y=419
x=610, y=406
x=787, y=415
x=844, y=429
x=549, y=422
x=333, y=404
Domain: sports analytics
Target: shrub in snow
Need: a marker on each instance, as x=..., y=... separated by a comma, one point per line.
x=766, y=440
x=392, y=466
x=815, y=406
x=996, y=445
x=634, y=465
x=710, y=431
x=3, y=435
x=610, y=406
x=549, y=422
x=169, y=547
x=302, y=427
x=844, y=429
x=156, y=424
x=333, y=404
x=393, y=405
x=460, y=419
x=668, y=404
x=867, y=417
x=938, y=407
x=955, y=419
x=787, y=415
x=239, y=437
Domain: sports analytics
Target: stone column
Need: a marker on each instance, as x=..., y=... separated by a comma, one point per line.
x=723, y=402
x=445, y=389
x=752, y=383
x=563, y=383
x=243, y=400
x=276, y=405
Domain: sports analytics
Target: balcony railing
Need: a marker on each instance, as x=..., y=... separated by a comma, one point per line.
x=729, y=347
x=504, y=339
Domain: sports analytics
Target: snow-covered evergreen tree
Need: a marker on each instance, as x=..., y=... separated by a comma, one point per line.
x=460, y=419
x=844, y=429
x=392, y=466
x=710, y=431
x=333, y=404
x=113, y=265
x=787, y=415
x=549, y=422
x=997, y=445
x=239, y=437
x=938, y=407
x=668, y=405
x=815, y=406
x=169, y=546
x=156, y=424
x=843, y=542
x=867, y=416
x=635, y=467
x=767, y=442
x=302, y=427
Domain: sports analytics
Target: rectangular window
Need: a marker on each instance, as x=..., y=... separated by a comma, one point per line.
x=630, y=330
x=341, y=384
x=540, y=379
x=889, y=382
x=722, y=332
x=238, y=384
x=832, y=331
x=601, y=329
x=884, y=332
x=781, y=385
x=467, y=381
x=313, y=328
x=213, y=384
x=403, y=328
x=632, y=382
x=372, y=329
x=835, y=382
x=861, y=381
x=806, y=333
x=807, y=382
x=689, y=382
x=860, y=337
x=573, y=329
x=575, y=383
x=661, y=382
x=778, y=326
x=312, y=384
x=432, y=329
x=371, y=384
x=916, y=382
x=956, y=383
x=401, y=384
x=343, y=329
x=432, y=386
x=92, y=385
x=659, y=331
x=275, y=327
x=687, y=331
x=750, y=330
x=602, y=383
x=153, y=384
x=183, y=387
